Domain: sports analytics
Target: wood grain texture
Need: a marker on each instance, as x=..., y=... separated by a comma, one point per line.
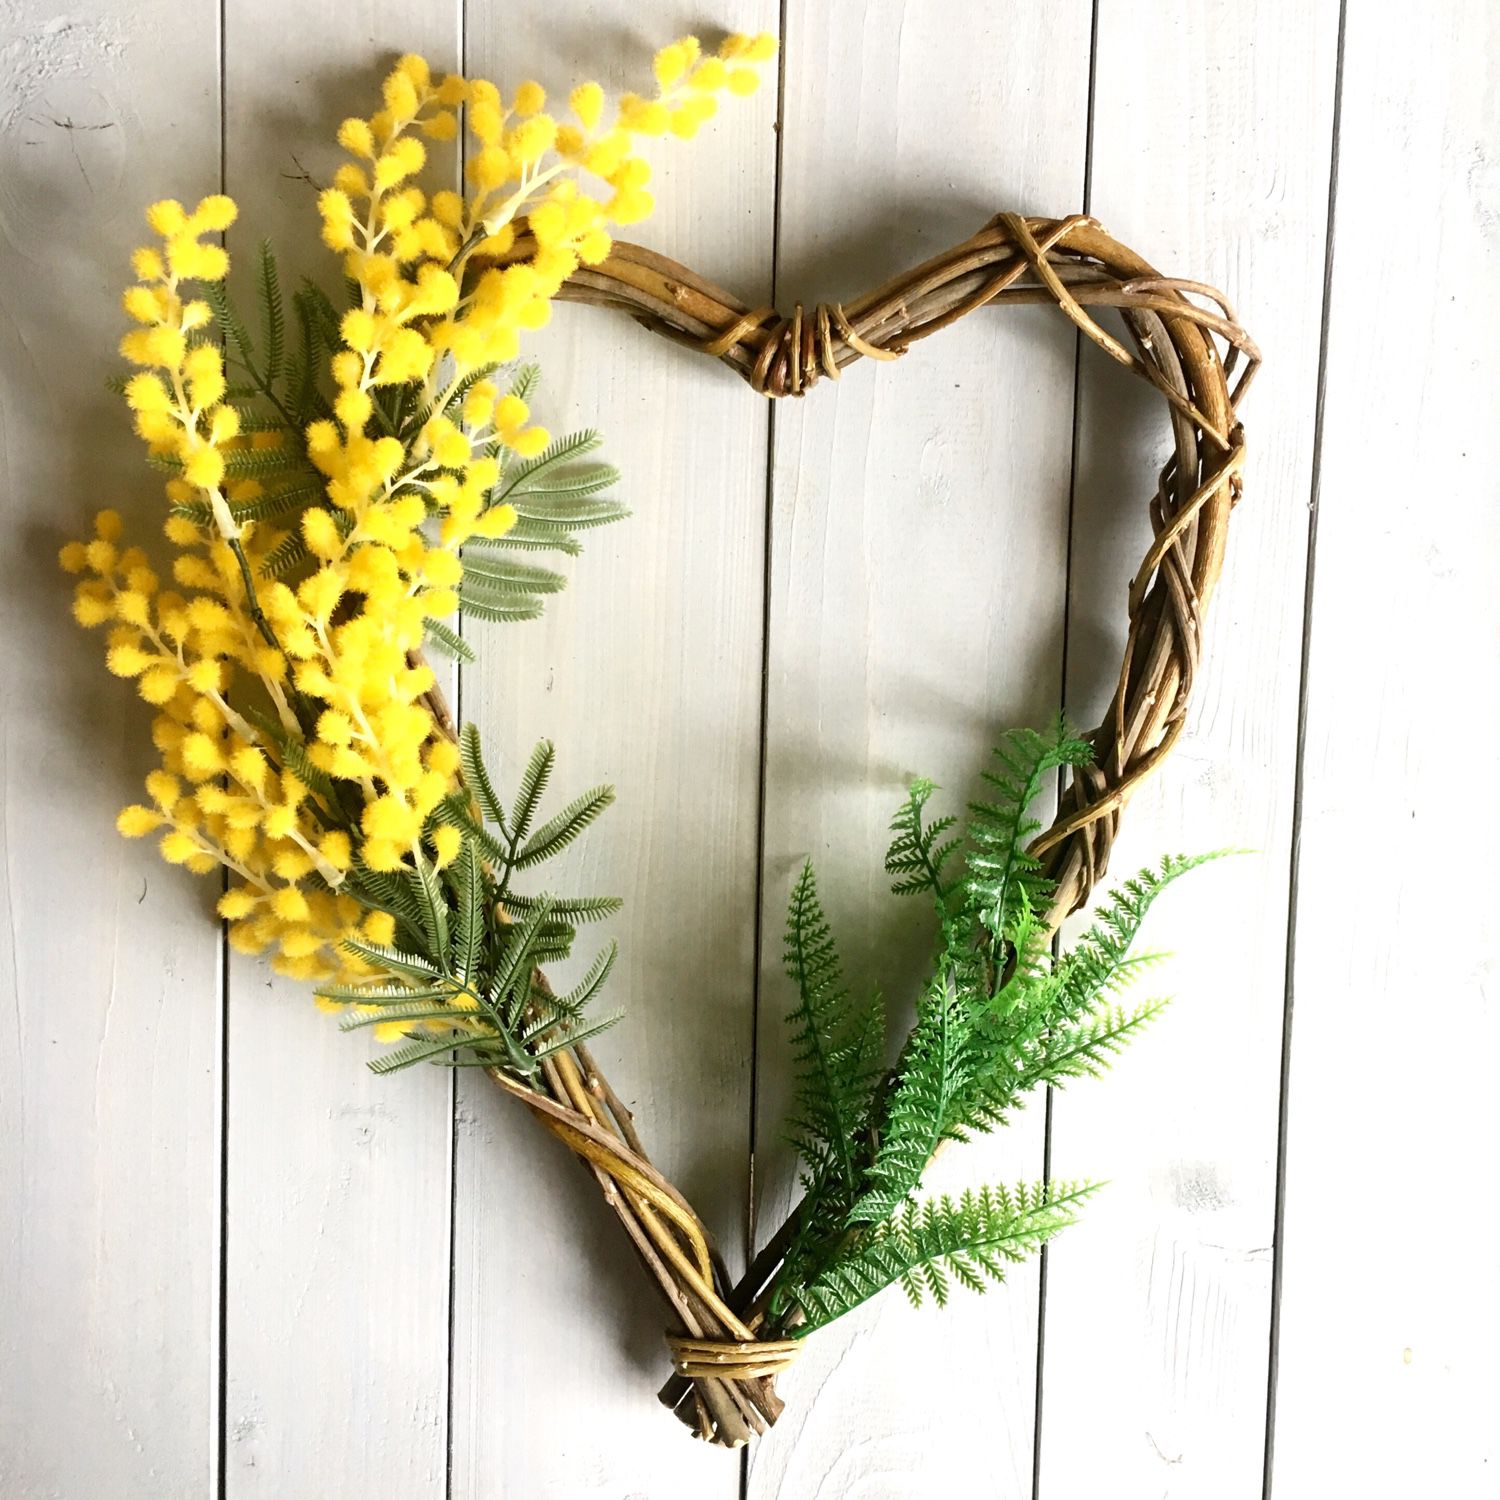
x=109, y=961
x=918, y=567
x=1158, y=1304
x=336, y=1347
x=1389, y=1376
x=646, y=674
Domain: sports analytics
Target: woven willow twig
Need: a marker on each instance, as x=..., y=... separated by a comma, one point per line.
x=723, y=1388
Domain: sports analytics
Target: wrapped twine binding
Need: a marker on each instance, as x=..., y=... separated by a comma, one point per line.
x=723, y=1385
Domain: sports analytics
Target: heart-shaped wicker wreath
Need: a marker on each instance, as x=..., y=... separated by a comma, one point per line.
x=724, y=1385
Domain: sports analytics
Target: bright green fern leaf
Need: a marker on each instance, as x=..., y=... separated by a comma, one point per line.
x=972, y=1241
x=1000, y=871
x=835, y=1045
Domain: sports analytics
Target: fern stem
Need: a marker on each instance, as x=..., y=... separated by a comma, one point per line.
x=265, y=390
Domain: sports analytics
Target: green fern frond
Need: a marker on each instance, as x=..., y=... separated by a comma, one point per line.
x=510, y=985
x=477, y=777
x=415, y=1014
x=232, y=330
x=528, y=380
x=302, y=374
x=562, y=514
x=918, y=852
x=523, y=538
x=417, y=1051
x=936, y=1070
x=244, y=463
x=558, y=832
x=999, y=868
x=486, y=607
x=387, y=891
x=831, y=1045
x=972, y=1241
x=522, y=477
x=1099, y=963
x=325, y=316
x=575, y=908
x=286, y=556
x=273, y=314
x=534, y=781
x=393, y=960
x=577, y=998
x=523, y=577
x=471, y=904
x=385, y=996
x=573, y=1035
x=546, y=495
x=289, y=500
x=1086, y=1049
x=431, y=904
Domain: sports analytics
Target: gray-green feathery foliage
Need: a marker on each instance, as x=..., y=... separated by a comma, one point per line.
x=276, y=387
x=461, y=980
x=998, y=1017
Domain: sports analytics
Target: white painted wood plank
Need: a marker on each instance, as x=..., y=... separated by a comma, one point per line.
x=646, y=673
x=1389, y=1371
x=919, y=543
x=1212, y=141
x=110, y=960
x=339, y=1182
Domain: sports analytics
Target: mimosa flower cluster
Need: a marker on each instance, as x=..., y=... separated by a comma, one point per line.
x=323, y=487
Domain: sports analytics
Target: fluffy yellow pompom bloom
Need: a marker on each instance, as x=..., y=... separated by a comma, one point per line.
x=529, y=99
x=336, y=849
x=446, y=843
x=128, y=660
x=215, y=214
x=321, y=534
x=136, y=821
x=532, y=139
x=496, y=522
x=177, y=847
x=389, y=818
x=400, y=93
x=631, y=205
x=587, y=102
x=751, y=49
x=236, y=904
x=379, y=927
x=167, y=217
x=205, y=467
x=356, y=137
x=290, y=904
x=670, y=64
x=443, y=757
x=249, y=768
